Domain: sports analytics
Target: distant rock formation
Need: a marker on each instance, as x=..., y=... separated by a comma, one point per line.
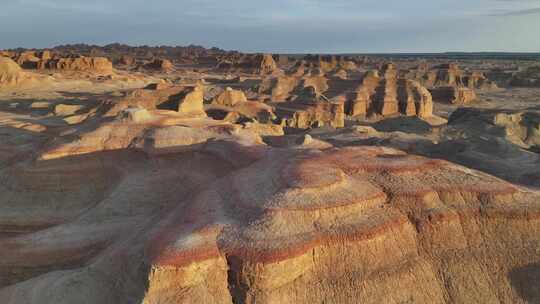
x=262, y=64
x=328, y=63
x=99, y=65
x=159, y=64
x=311, y=110
x=268, y=65
x=453, y=95
x=442, y=78
x=530, y=77
x=389, y=96
x=126, y=60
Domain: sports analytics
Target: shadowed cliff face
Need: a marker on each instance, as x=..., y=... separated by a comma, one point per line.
x=521, y=279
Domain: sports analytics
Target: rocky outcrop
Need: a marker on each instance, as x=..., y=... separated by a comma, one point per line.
x=453, y=95
x=350, y=205
x=99, y=65
x=262, y=64
x=317, y=82
x=232, y=106
x=414, y=99
x=66, y=109
x=268, y=65
x=282, y=87
x=328, y=63
x=126, y=60
x=29, y=59
x=159, y=64
x=369, y=224
x=521, y=128
x=150, y=99
x=243, y=112
x=311, y=110
x=389, y=96
x=10, y=72
x=12, y=76
x=230, y=97
x=192, y=102
x=441, y=78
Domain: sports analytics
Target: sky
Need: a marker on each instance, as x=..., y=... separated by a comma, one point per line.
x=286, y=26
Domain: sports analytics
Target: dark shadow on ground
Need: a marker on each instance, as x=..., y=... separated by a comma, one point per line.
x=403, y=124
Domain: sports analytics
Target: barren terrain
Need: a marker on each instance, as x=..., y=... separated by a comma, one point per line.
x=206, y=176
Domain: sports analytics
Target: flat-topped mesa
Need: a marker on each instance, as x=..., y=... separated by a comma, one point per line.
x=389, y=96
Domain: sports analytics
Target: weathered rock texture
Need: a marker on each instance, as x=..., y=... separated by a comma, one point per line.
x=192, y=102
x=310, y=110
x=451, y=75
x=262, y=64
x=389, y=96
x=12, y=76
x=168, y=97
x=290, y=225
x=453, y=95
x=230, y=97
x=158, y=64
x=449, y=84
x=85, y=64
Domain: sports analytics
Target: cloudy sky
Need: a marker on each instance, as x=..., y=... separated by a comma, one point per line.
x=278, y=25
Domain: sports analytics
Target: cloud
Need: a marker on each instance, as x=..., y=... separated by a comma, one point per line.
x=530, y=11
x=277, y=25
